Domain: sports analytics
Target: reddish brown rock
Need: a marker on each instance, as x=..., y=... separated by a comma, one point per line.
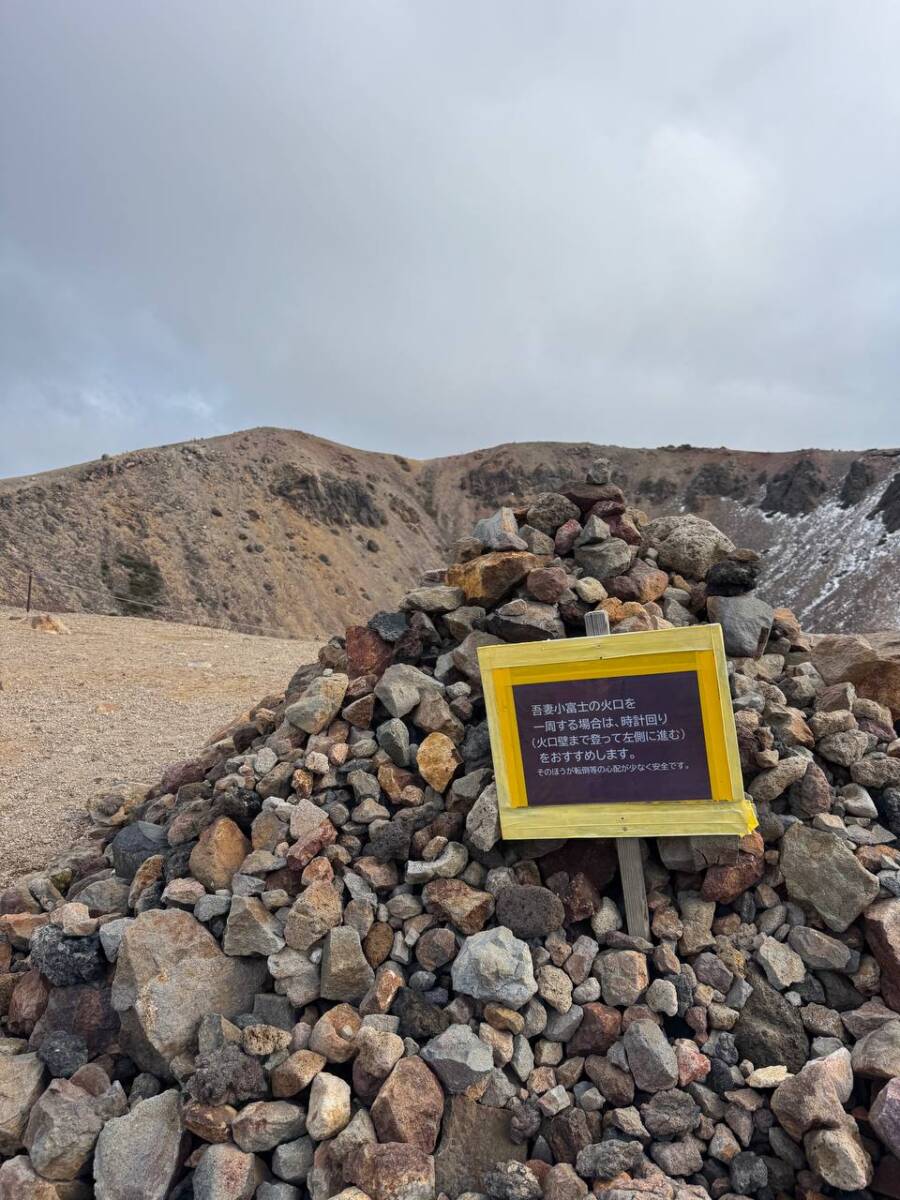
x=218, y=854
x=311, y=830
x=565, y=537
x=394, y=779
x=488, y=578
x=189, y=770
x=27, y=1003
x=474, y=1138
x=392, y=1171
x=377, y=943
x=84, y=1009
x=453, y=900
x=359, y=713
x=599, y=1029
x=547, y=584
x=726, y=883
x=643, y=583
x=210, y=1122
x=409, y=1105
x=367, y=653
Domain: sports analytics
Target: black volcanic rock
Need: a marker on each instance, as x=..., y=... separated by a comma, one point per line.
x=796, y=491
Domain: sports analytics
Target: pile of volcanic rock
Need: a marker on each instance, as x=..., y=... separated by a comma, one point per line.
x=305, y=962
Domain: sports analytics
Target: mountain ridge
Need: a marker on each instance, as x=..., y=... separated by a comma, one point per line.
x=275, y=530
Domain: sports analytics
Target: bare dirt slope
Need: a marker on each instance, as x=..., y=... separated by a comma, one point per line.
x=275, y=530
x=114, y=701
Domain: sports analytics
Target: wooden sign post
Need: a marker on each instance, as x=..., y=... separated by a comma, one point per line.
x=624, y=736
x=631, y=860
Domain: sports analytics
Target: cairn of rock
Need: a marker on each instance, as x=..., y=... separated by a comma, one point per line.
x=305, y=963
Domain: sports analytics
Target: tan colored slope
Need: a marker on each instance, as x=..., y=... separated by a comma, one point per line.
x=115, y=700
x=279, y=531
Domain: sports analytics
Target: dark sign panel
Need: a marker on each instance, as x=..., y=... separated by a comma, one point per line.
x=612, y=740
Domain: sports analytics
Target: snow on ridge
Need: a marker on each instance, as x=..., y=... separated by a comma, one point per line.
x=837, y=568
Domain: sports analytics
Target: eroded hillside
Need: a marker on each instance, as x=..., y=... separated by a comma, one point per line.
x=277, y=530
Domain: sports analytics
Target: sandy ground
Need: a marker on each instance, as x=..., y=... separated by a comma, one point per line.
x=117, y=699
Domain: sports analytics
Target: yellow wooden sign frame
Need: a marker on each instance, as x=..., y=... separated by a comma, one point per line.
x=697, y=648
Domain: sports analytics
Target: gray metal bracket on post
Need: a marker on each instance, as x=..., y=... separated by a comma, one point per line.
x=631, y=863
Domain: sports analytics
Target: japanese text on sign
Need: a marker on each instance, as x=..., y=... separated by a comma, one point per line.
x=601, y=740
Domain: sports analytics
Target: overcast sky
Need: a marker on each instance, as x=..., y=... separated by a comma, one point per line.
x=429, y=226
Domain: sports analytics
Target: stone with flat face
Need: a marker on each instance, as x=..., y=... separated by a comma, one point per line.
x=474, y=1138
x=171, y=972
x=821, y=871
x=146, y=1144
x=409, y=1105
x=21, y=1082
x=487, y=579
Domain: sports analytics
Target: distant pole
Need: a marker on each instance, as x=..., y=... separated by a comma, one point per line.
x=28, y=597
x=631, y=865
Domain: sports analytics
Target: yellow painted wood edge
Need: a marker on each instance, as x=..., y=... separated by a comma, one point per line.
x=682, y=818
x=616, y=645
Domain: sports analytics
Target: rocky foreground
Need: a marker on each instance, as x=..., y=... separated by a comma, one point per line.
x=306, y=963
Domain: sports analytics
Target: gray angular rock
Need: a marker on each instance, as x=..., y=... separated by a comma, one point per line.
x=64, y=1125
x=678, y=1158
x=292, y=1160
x=781, y=964
x=604, y=560
x=170, y=972
x=401, y=686
x=251, y=929
x=346, y=974
x=670, y=1114
x=769, y=1031
x=495, y=965
x=746, y=623
x=820, y=870
x=651, y=1059
x=605, y=1160
x=437, y=599
x=818, y=950
x=319, y=704
x=483, y=821
x=500, y=531
x=140, y=1153
x=393, y=738
x=458, y=1057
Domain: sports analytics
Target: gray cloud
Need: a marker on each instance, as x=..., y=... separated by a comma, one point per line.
x=426, y=227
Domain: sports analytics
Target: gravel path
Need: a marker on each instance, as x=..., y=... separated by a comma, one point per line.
x=117, y=699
